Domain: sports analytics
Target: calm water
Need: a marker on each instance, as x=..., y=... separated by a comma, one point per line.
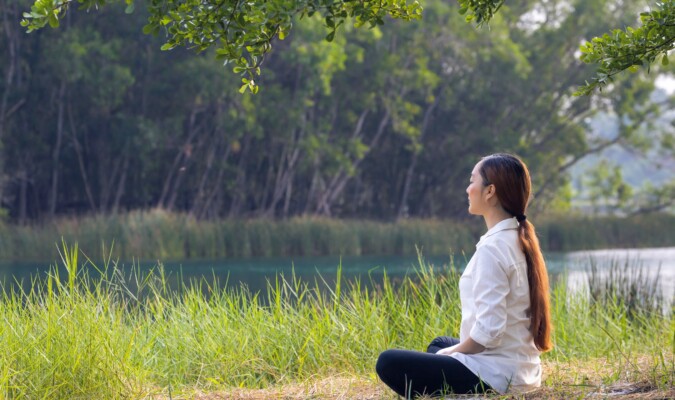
x=255, y=272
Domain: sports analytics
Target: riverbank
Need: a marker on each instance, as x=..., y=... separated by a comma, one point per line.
x=129, y=336
x=158, y=235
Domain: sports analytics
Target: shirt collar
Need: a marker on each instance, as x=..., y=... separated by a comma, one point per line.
x=506, y=224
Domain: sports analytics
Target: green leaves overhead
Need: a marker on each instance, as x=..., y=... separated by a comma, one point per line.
x=241, y=31
x=479, y=11
x=631, y=48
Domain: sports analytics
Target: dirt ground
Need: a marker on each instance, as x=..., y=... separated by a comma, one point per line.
x=363, y=389
x=578, y=380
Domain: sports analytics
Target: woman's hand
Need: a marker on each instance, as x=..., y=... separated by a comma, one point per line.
x=447, y=351
x=469, y=346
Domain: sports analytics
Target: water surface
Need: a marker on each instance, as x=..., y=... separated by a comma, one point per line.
x=256, y=272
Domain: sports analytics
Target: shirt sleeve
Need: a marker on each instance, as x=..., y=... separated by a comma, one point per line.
x=490, y=288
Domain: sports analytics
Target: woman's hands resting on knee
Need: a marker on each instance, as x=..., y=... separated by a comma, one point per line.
x=468, y=346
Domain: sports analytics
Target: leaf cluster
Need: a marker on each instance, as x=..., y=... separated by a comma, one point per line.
x=631, y=48
x=241, y=32
x=479, y=11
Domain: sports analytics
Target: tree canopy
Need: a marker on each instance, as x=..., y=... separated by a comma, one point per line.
x=380, y=123
x=243, y=31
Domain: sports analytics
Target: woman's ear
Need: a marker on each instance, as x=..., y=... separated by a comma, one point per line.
x=489, y=191
x=491, y=194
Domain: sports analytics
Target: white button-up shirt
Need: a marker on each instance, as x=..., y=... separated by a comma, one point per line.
x=495, y=297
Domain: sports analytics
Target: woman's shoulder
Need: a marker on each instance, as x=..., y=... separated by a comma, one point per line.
x=504, y=239
x=503, y=247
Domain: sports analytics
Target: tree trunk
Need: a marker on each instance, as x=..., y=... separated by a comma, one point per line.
x=285, y=173
x=311, y=193
x=217, y=186
x=56, y=154
x=23, y=195
x=239, y=192
x=198, y=201
x=80, y=161
x=215, y=144
x=171, y=184
x=403, y=205
x=11, y=40
x=340, y=179
x=121, y=183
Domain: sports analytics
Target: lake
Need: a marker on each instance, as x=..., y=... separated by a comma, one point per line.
x=255, y=272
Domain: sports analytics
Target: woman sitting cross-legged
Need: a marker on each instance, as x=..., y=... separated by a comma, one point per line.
x=506, y=321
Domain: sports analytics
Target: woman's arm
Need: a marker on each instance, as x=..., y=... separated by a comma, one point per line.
x=468, y=346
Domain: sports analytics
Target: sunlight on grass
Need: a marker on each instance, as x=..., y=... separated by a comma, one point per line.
x=116, y=335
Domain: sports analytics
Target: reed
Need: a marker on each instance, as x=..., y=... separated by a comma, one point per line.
x=159, y=235
x=625, y=284
x=578, y=232
x=77, y=334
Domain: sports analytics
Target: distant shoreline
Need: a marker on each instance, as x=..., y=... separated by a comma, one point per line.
x=160, y=235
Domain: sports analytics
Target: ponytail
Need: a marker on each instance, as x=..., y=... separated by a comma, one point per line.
x=537, y=277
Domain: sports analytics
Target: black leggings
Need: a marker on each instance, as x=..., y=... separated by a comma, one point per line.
x=413, y=373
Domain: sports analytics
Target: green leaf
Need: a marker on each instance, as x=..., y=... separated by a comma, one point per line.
x=330, y=23
x=330, y=36
x=53, y=20
x=130, y=8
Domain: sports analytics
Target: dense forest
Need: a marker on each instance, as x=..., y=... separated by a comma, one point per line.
x=380, y=123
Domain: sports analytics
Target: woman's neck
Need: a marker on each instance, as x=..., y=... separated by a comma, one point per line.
x=494, y=216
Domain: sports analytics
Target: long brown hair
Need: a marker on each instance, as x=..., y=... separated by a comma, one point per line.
x=512, y=183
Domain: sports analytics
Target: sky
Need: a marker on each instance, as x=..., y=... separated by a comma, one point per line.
x=666, y=82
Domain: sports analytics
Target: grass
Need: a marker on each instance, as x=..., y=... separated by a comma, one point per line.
x=76, y=335
x=626, y=283
x=578, y=232
x=160, y=235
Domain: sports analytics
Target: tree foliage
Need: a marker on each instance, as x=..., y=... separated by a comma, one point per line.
x=241, y=31
x=383, y=123
x=631, y=48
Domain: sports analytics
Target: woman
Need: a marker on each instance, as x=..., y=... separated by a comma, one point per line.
x=506, y=320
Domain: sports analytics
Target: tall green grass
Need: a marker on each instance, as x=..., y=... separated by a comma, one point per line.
x=130, y=336
x=626, y=283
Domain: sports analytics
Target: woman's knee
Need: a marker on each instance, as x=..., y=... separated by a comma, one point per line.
x=385, y=362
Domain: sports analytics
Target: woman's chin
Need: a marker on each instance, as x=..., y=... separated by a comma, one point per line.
x=472, y=211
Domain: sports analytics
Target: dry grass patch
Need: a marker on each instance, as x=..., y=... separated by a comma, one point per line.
x=590, y=379
x=336, y=387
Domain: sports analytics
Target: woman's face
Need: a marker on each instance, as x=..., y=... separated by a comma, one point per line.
x=478, y=193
